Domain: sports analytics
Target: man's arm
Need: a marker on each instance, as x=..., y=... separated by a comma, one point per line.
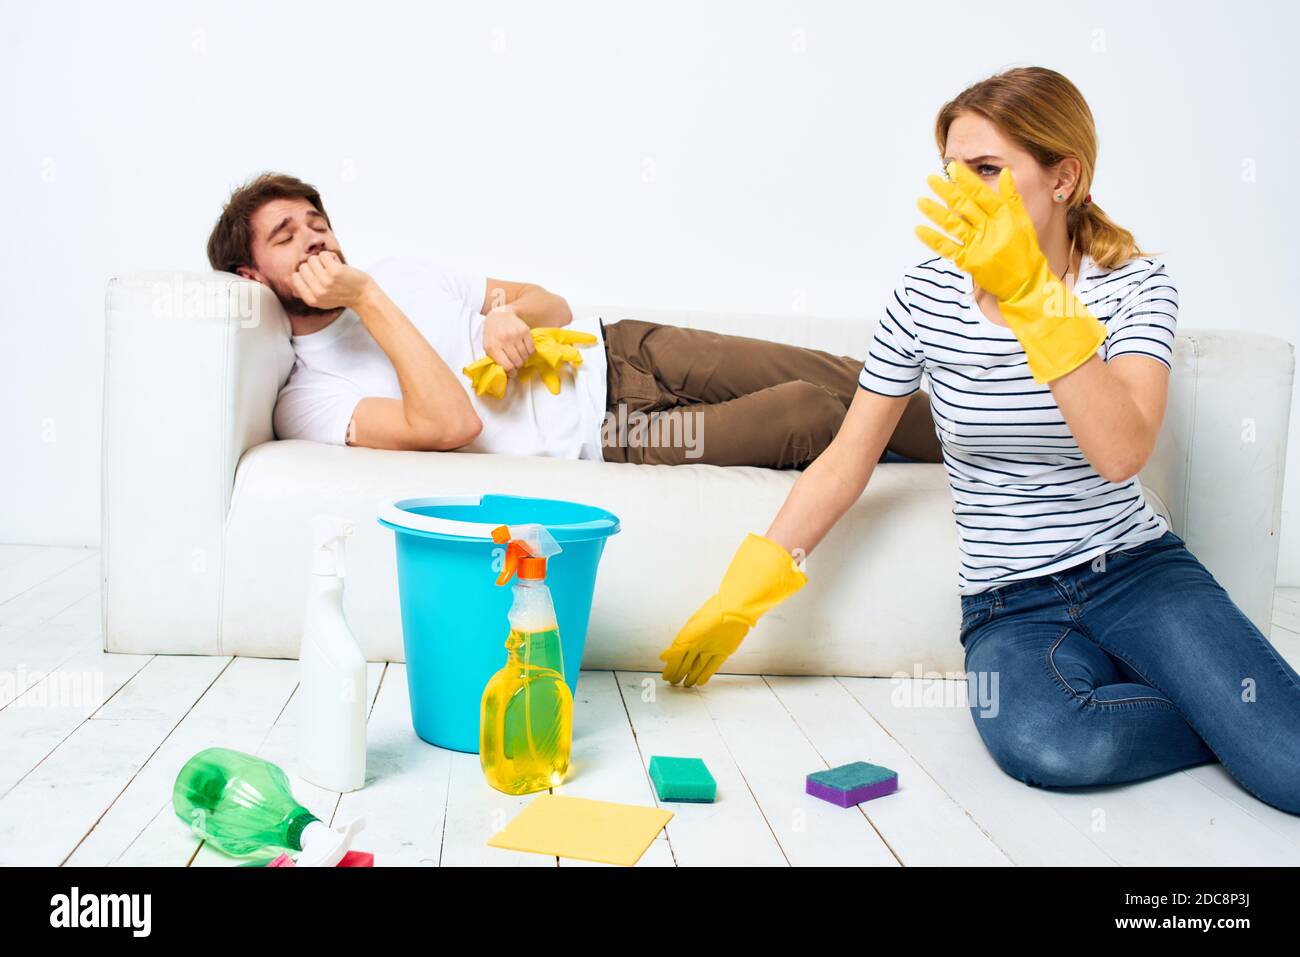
x=533, y=304
x=513, y=310
x=434, y=412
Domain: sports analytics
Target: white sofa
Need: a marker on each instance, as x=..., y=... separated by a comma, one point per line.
x=206, y=515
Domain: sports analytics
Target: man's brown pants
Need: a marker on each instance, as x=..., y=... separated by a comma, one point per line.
x=749, y=401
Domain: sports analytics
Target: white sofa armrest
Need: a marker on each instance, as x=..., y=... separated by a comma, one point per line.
x=1220, y=460
x=192, y=366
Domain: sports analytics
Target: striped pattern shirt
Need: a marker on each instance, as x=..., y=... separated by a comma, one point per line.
x=1026, y=501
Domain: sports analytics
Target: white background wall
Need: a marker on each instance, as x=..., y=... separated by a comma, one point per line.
x=720, y=156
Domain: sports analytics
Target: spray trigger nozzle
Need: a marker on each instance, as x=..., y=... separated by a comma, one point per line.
x=325, y=846
x=328, y=533
x=523, y=541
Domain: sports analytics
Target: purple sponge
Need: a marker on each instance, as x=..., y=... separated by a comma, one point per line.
x=851, y=784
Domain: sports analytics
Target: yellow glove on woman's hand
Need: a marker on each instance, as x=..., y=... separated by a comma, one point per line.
x=761, y=576
x=999, y=250
x=552, y=347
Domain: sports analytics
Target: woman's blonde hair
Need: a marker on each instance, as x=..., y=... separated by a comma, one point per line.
x=1045, y=115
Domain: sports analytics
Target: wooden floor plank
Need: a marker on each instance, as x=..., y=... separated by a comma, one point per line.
x=1286, y=608
x=775, y=756
x=675, y=721
x=49, y=812
x=1164, y=821
x=944, y=741
x=921, y=823
x=52, y=597
x=475, y=812
x=85, y=613
x=101, y=785
x=47, y=712
x=281, y=747
x=237, y=711
x=28, y=654
x=28, y=566
x=1283, y=826
x=607, y=764
x=404, y=800
x=1287, y=643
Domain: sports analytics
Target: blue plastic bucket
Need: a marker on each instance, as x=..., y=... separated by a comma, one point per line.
x=454, y=615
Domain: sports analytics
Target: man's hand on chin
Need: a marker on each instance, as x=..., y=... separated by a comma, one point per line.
x=326, y=282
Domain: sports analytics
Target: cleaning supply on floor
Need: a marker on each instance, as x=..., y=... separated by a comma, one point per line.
x=851, y=784
x=350, y=859
x=583, y=829
x=453, y=614
x=332, y=688
x=682, y=780
x=526, y=716
x=242, y=805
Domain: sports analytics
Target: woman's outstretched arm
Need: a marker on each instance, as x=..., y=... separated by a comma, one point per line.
x=834, y=481
x=763, y=573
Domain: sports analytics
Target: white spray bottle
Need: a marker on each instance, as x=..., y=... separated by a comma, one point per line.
x=332, y=689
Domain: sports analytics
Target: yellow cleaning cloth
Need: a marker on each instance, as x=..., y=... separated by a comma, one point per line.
x=583, y=829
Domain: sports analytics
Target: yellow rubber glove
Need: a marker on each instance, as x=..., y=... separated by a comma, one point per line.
x=551, y=348
x=999, y=250
x=487, y=377
x=546, y=335
x=761, y=575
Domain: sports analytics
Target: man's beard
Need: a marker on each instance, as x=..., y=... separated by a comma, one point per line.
x=294, y=306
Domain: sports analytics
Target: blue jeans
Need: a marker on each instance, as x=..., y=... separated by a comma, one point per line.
x=1118, y=671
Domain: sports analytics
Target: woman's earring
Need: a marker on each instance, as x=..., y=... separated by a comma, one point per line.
x=1060, y=197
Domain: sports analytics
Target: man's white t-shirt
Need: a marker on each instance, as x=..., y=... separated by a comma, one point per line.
x=339, y=365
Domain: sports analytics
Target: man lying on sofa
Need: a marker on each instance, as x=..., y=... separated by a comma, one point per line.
x=379, y=359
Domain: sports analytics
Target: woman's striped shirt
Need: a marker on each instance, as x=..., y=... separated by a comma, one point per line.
x=1025, y=499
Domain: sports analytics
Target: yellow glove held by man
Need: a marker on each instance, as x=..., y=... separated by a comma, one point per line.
x=999, y=250
x=761, y=575
x=487, y=377
x=551, y=348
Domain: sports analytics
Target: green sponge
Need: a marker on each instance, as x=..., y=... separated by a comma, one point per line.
x=684, y=780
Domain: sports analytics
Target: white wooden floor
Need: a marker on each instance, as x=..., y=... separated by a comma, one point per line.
x=90, y=744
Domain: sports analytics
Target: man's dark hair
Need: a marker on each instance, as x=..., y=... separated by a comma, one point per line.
x=231, y=243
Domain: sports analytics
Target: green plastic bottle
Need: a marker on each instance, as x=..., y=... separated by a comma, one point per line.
x=240, y=804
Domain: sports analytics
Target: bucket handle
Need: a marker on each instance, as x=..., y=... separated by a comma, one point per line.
x=391, y=513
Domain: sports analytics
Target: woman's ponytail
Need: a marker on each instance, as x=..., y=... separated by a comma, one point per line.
x=1108, y=243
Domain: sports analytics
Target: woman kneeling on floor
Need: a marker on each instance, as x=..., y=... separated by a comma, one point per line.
x=1117, y=655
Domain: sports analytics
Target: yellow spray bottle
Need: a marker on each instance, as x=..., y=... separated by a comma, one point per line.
x=526, y=722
